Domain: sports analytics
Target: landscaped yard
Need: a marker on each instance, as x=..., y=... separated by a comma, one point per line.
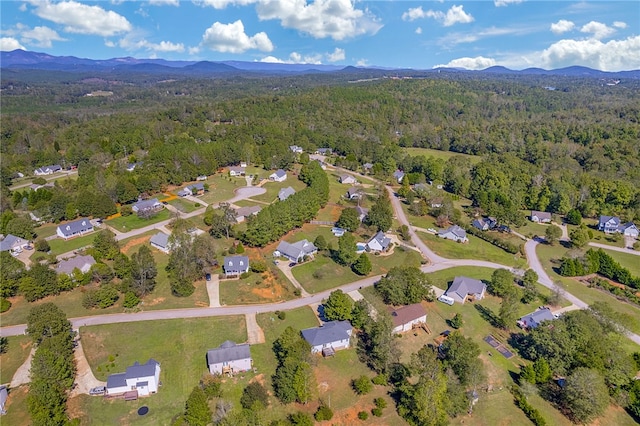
x=184, y=205
x=133, y=221
x=221, y=188
x=46, y=230
x=530, y=229
x=59, y=245
x=18, y=349
x=267, y=287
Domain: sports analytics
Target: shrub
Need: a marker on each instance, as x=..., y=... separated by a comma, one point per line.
x=380, y=379
x=362, y=385
x=380, y=403
x=532, y=413
x=245, y=275
x=318, y=275
x=4, y=305
x=252, y=394
x=281, y=315
x=42, y=245
x=130, y=300
x=456, y=321
x=211, y=385
x=323, y=413
x=258, y=267
x=126, y=211
x=363, y=415
x=377, y=412
x=297, y=292
x=301, y=419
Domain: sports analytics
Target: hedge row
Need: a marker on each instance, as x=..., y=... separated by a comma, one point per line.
x=532, y=413
x=504, y=245
x=598, y=261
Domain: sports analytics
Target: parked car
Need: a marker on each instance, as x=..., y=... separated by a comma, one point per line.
x=100, y=390
x=207, y=277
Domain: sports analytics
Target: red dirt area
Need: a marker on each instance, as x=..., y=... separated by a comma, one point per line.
x=135, y=242
x=270, y=288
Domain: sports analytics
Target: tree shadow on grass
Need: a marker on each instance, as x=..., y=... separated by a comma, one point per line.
x=488, y=315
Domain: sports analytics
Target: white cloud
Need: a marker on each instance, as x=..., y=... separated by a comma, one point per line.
x=477, y=63
x=362, y=63
x=598, y=29
x=8, y=44
x=338, y=19
x=620, y=24
x=501, y=3
x=164, y=2
x=337, y=55
x=109, y=43
x=272, y=60
x=83, y=19
x=133, y=42
x=455, y=15
x=221, y=4
x=455, y=38
x=562, y=26
x=314, y=58
x=614, y=55
x=231, y=38
x=40, y=36
x=23, y=7
x=418, y=30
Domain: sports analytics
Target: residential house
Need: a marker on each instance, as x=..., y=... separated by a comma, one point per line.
x=195, y=189
x=367, y=167
x=161, y=242
x=131, y=166
x=146, y=205
x=3, y=399
x=534, y=319
x=229, y=358
x=465, y=287
x=540, y=217
x=243, y=164
x=143, y=379
x=354, y=193
x=613, y=224
x=324, y=151
x=201, y=178
x=485, y=223
x=76, y=228
x=278, y=176
x=362, y=213
x=323, y=165
x=285, y=193
x=47, y=170
x=379, y=242
x=35, y=186
x=237, y=171
x=236, y=265
x=348, y=179
x=454, y=233
x=296, y=149
x=13, y=244
x=436, y=202
x=242, y=213
x=406, y=317
x=295, y=252
x=328, y=338
x=629, y=230
x=398, y=175
x=83, y=263
x=338, y=232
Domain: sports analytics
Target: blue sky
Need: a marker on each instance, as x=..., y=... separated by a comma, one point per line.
x=421, y=35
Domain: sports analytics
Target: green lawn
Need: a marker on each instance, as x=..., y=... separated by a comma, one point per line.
x=474, y=249
x=59, y=245
x=626, y=260
x=179, y=345
x=17, y=352
x=184, y=206
x=16, y=407
x=444, y=155
x=267, y=287
x=46, y=230
x=274, y=187
x=530, y=229
x=127, y=223
x=221, y=188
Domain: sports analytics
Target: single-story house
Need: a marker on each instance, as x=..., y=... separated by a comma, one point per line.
x=613, y=224
x=146, y=205
x=421, y=187
x=398, y=175
x=348, y=180
x=142, y=378
x=296, y=149
x=237, y=171
x=35, y=186
x=243, y=164
x=195, y=189
x=362, y=213
x=379, y=242
x=73, y=229
x=83, y=263
x=3, y=399
x=464, y=287
x=338, y=232
x=285, y=193
x=540, y=217
x=278, y=176
x=454, y=233
x=243, y=213
x=367, y=167
x=405, y=317
x=297, y=251
x=236, y=265
x=354, y=193
x=201, y=178
x=13, y=244
x=485, y=223
x=131, y=166
x=328, y=338
x=436, y=202
x=534, y=319
x=324, y=151
x=47, y=170
x=161, y=242
x=230, y=358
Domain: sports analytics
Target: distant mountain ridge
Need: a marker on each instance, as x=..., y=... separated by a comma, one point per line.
x=22, y=59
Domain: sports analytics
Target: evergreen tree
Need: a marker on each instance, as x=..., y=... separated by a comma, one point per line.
x=197, y=411
x=362, y=265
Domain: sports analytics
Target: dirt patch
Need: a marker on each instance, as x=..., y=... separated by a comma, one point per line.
x=135, y=242
x=259, y=378
x=270, y=288
x=74, y=408
x=155, y=301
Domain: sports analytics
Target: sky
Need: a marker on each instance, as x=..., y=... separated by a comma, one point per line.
x=517, y=34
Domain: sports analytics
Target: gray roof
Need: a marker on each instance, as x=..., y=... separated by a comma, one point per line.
x=398, y=174
x=354, y=190
x=362, y=211
x=280, y=173
x=455, y=230
x=463, y=286
x=11, y=241
x=237, y=169
x=146, y=204
x=382, y=239
x=116, y=380
x=67, y=266
x=537, y=317
x=142, y=370
x=367, y=166
x=75, y=227
x=286, y=193
x=236, y=263
x=160, y=239
x=247, y=211
x=228, y=351
x=541, y=215
x=615, y=221
x=330, y=332
x=52, y=168
x=198, y=186
x=296, y=250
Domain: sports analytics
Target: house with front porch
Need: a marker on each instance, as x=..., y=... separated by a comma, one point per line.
x=75, y=228
x=236, y=265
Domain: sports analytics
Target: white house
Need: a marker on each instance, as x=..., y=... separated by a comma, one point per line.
x=629, y=230
x=285, y=193
x=362, y=213
x=236, y=265
x=464, y=287
x=405, y=317
x=328, y=338
x=194, y=189
x=83, y=263
x=338, y=232
x=534, y=319
x=296, y=149
x=354, y=193
x=295, y=252
x=47, y=170
x=613, y=224
x=161, y=242
x=244, y=212
x=398, y=175
x=454, y=233
x=146, y=205
x=379, y=242
x=540, y=217
x=230, y=358
x=348, y=180
x=13, y=244
x=141, y=378
x=278, y=176
x=76, y=228
x=237, y=171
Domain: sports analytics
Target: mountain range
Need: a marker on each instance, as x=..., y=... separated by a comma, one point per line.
x=27, y=60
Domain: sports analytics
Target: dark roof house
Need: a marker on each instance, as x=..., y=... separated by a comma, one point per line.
x=77, y=227
x=236, y=265
x=463, y=287
x=83, y=263
x=534, y=319
x=297, y=251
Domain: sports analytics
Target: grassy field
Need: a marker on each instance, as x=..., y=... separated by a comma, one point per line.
x=17, y=351
x=474, y=249
x=274, y=187
x=184, y=206
x=626, y=260
x=221, y=188
x=179, y=345
x=127, y=223
x=267, y=287
x=59, y=246
x=46, y=230
x=444, y=155
x=530, y=229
